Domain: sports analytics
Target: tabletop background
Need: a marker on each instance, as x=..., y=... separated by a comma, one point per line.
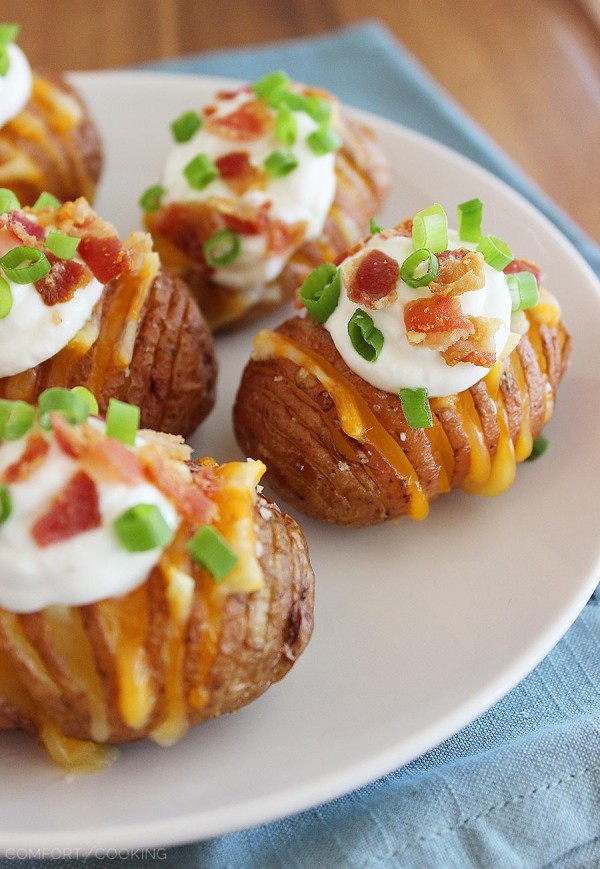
x=528, y=73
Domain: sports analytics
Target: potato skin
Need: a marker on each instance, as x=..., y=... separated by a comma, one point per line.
x=172, y=375
x=363, y=180
x=284, y=416
x=63, y=159
x=258, y=638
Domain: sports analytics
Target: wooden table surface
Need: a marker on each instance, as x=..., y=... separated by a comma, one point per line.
x=527, y=70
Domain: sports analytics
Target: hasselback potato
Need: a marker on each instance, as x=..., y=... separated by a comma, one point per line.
x=344, y=449
x=268, y=182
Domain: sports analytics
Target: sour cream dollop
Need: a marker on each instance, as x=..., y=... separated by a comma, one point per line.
x=85, y=568
x=404, y=365
x=303, y=195
x=15, y=85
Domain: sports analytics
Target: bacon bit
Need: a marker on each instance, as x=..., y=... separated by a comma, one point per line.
x=436, y=322
x=106, y=257
x=248, y=122
x=285, y=236
x=460, y=272
x=239, y=173
x=32, y=457
x=373, y=283
x=62, y=281
x=523, y=265
x=74, y=510
x=255, y=225
x=110, y=459
x=188, y=225
x=230, y=95
x=26, y=230
x=191, y=500
x=68, y=438
x=208, y=111
x=478, y=348
x=404, y=229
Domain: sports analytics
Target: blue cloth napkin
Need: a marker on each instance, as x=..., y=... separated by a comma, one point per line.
x=520, y=786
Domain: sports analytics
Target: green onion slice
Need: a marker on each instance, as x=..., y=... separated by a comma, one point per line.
x=374, y=227
x=280, y=163
x=200, y=172
x=430, y=229
x=320, y=292
x=122, y=421
x=142, y=528
x=61, y=245
x=4, y=60
x=415, y=407
x=523, y=290
x=46, y=200
x=8, y=33
x=323, y=141
x=470, y=214
x=208, y=549
x=6, y=299
x=366, y=339
x=88, y=396
x=222, y=248
x=540, y=445
x=151, y=199
x=16, y=418
x=420, y=268
x=270, y=87
x=24, y=265
x=72, y=406
x=496, y=252
x=8, y=201
x=186, y=126
x=5, y=504
x=286, y=127
x=319, y=110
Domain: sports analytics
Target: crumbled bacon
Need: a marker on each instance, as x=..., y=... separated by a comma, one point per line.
x=460, y=272
x=522, y=265
x=62, y=281
x=436, y=322
x=192, y=501
x=105, y=457
x=252, y=224
x=36, y=450
x=27, y=230
x=250, y=121
x=106, y=257
x=74, y=510
x=373, y=282
x=285, y=236
x=239, y=174
x=479, y=348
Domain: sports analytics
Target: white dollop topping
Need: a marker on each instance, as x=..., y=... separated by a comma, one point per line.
x=303, y=195
x=404, y=365
x=15, y=85
x=86, y=568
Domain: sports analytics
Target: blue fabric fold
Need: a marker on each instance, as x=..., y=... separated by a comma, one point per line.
x=520, y=786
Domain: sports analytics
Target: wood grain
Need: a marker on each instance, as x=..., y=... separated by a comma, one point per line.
x=527, y=72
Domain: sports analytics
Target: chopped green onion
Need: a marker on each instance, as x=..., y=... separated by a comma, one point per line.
x=61, y=245
x=270, y=87
x=73, y=407
x=5, y=504
x=122, y=421
x=540, y=445
x=185, y=126
x=415, y=407
x=420, y=268
x=222, y=248
x=24, y=265
x=200, y=171
x=430, y=229
x=16, y=418
x=319, y=110
x=8, y=33
x=323, y=141
x=285, y=126
x=46, y=200
x=496, y=252
x=320, y=292
x=208, y=549
x=8, y=201
x=4, y=60
x=374, y=227
x=142, y=528
x=523, y=290
x=6, y=299
x=366, y=339
x=88, y=396
x=280, y=163
x=151, y=199
x=469, y=220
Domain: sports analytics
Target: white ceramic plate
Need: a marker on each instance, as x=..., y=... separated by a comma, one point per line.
x=419, y=627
